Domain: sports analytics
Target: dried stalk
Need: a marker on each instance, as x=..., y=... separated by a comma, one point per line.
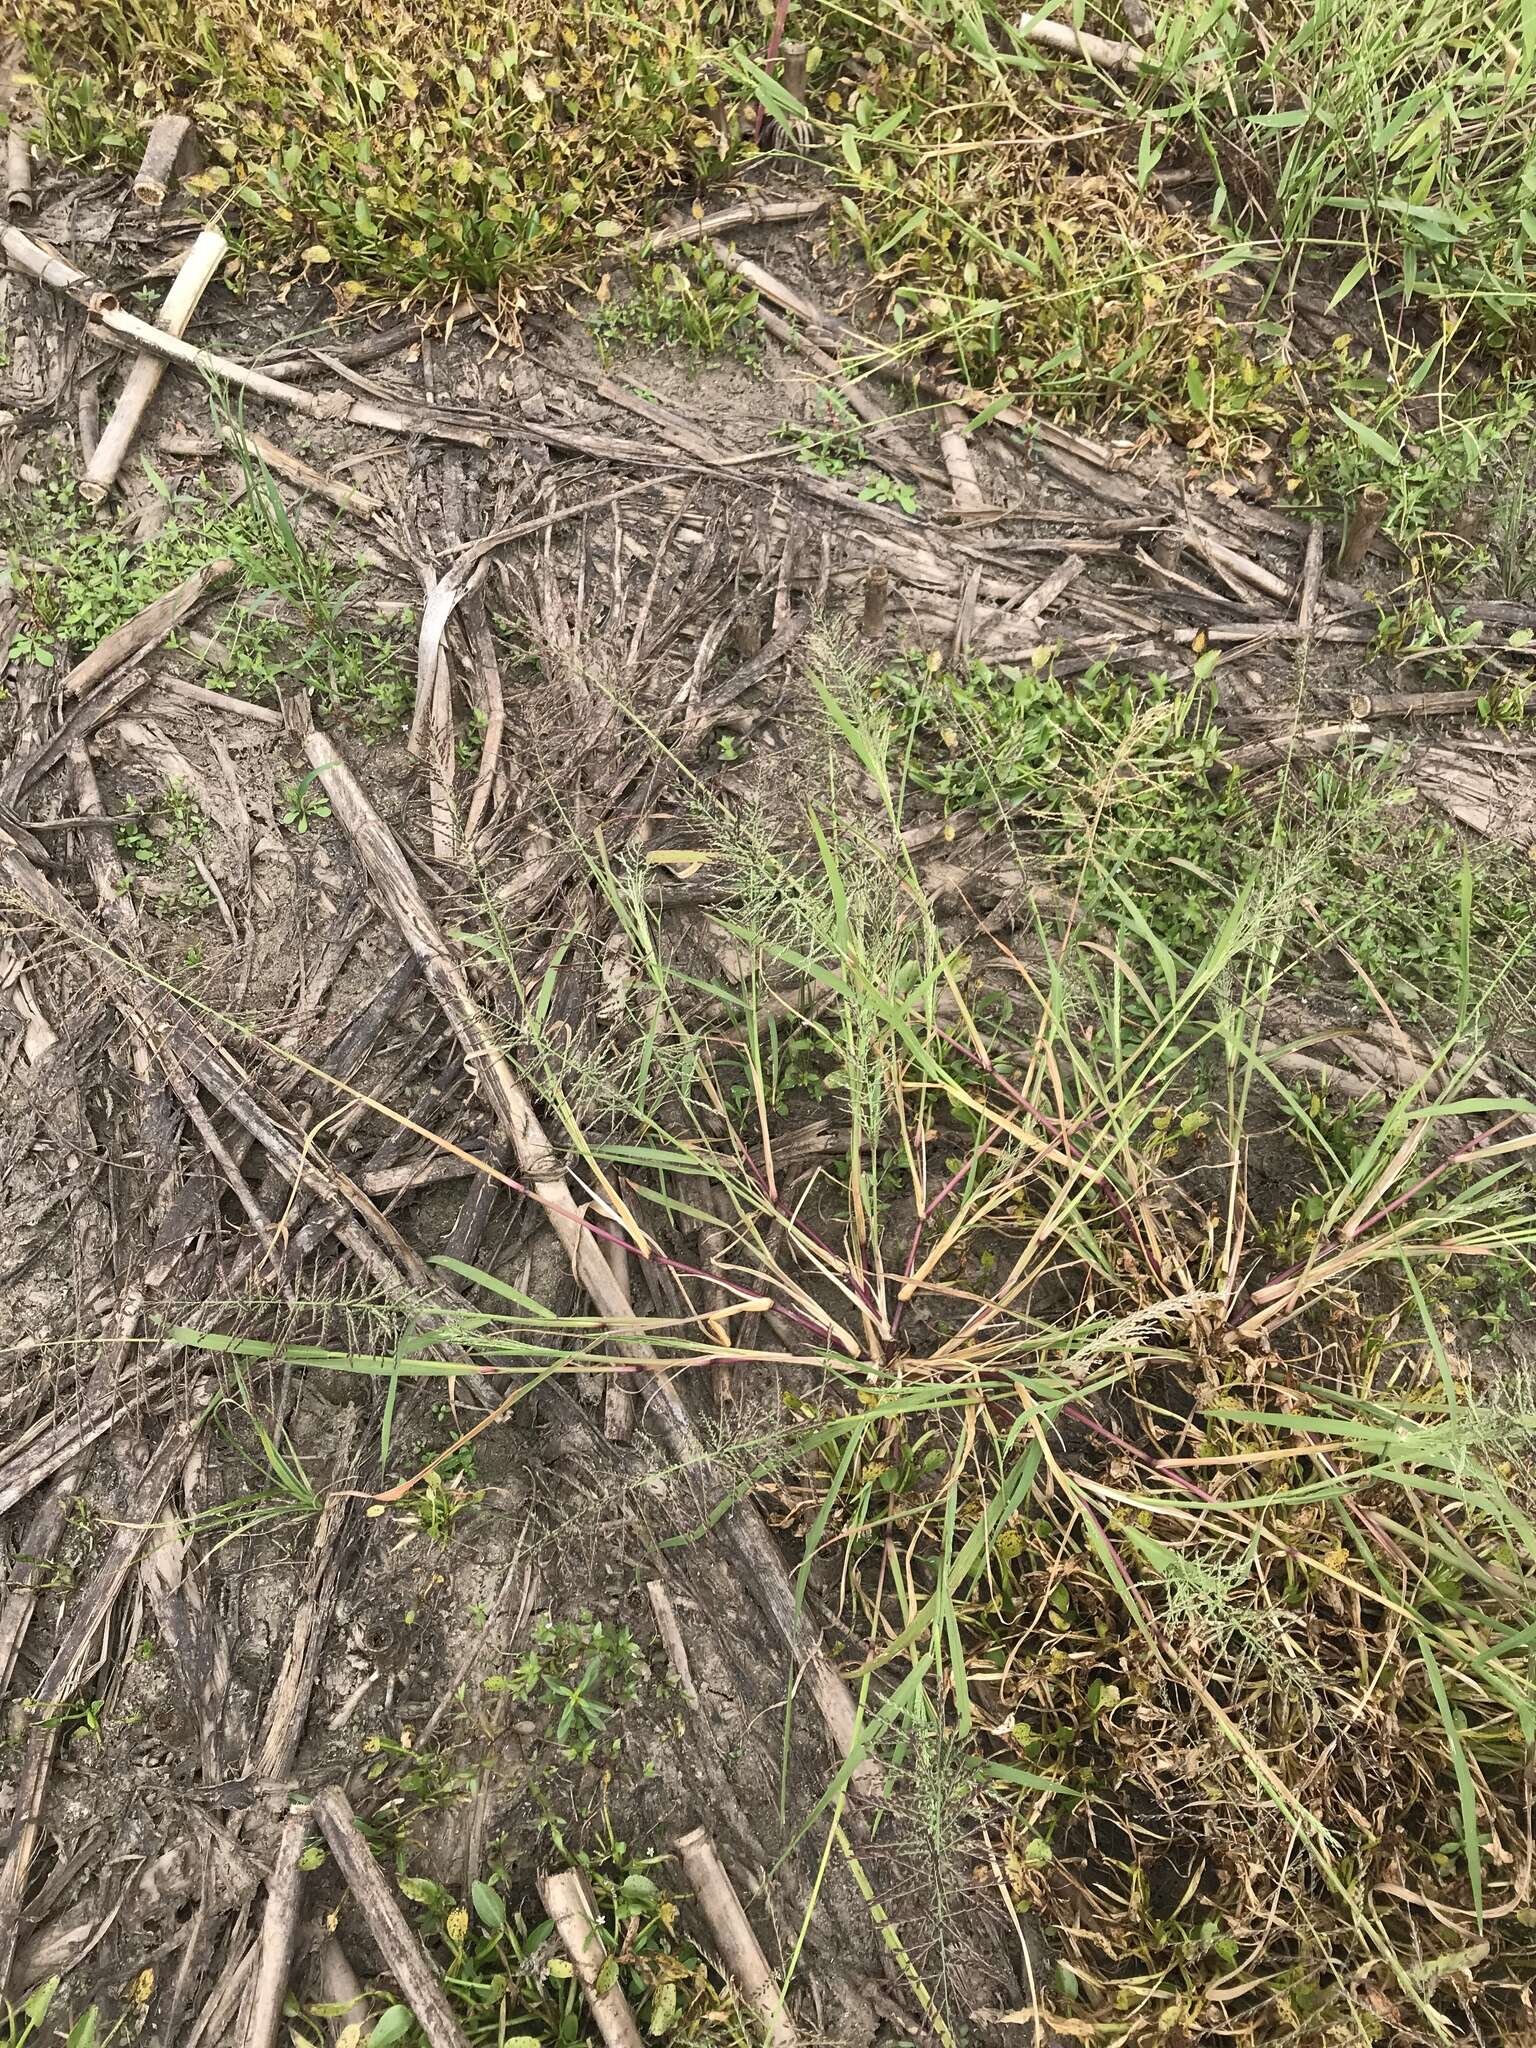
x=198, y=270
x=735, y=1942
x=18, y=169
x=569, y=1904
x=746, y=213
x=273, y=1754
x=877, y=589
x=672, y=1639
x=339, y=1986
x=1364, y=525
x=246, y=440
x=402, y=1952
x=665, y=1411
x=955, y=447
x=171, y=143
x=1074, y=42
x=279, y=1926
x=27, y=256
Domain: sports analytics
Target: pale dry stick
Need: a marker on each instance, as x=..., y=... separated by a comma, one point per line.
x=170, y=143
x=246, y=440
x=735, y=1942
x=1027, y=616
x=884, y=429
x=339, y=1986
x=494, y=705
x=618, y=1397
x=955, y=447
x=273, y=1752
x=216, y=700
x=666, y=1412
x=877, y=588
x=30, y=1581
x=198, y=270
x=18, y=169
x=402, y=1952
x=745, y=213
x=82, y=721
x=279, y=1928
x=569, y=1904
x=672, y=1639
x=48, y=268
x=1075, y=42
x=145, y=629
x=885, y=362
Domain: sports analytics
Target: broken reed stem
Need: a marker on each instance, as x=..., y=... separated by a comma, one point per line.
x=25, y=255
x=735, y=1942
x=18, y=169
x=161, y=161
x=671, y=1634
x=279, y=1926
x=955, y=447
x=569, y=1904
x=199, y=268
x=1364, y=525
x=402, y=1953
x=246, y=440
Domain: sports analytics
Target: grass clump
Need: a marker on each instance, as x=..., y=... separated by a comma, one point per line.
x=1175, y=1520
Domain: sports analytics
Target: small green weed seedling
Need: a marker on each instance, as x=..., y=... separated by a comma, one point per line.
x=694, y=303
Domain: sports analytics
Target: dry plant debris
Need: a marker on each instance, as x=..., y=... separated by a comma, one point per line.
x=766, y=1179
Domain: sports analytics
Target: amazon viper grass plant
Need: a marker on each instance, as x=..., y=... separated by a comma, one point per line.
x=1180, y=1514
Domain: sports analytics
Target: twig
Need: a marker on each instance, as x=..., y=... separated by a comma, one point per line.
x=18, y=169
x=297, y=471
x=402, y=1952
x=339, y=1986
x=26, y=768
x=279, y=1926
x=198, y=270
x=737, y=1945
x=672, y=1639
x=145, y=629
x=745, y=213
x=69, y=1662
x=569, y=1904
x=955, y=447
x=27, y=256
x=171, y=142
x=1074, y=42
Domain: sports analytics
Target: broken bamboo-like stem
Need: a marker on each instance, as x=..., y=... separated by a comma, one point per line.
x=144, y=630
x=198, y=270
x=165, y=153
x=735, y=1942
x=1364, y=525
x=403, y=1954
x=1077, y=42
x=27, y=256
x=246, y=440
x=955, y=447
x=569, y=1904
x=279, y=1926
x=668, y=1628
x=18, y=169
